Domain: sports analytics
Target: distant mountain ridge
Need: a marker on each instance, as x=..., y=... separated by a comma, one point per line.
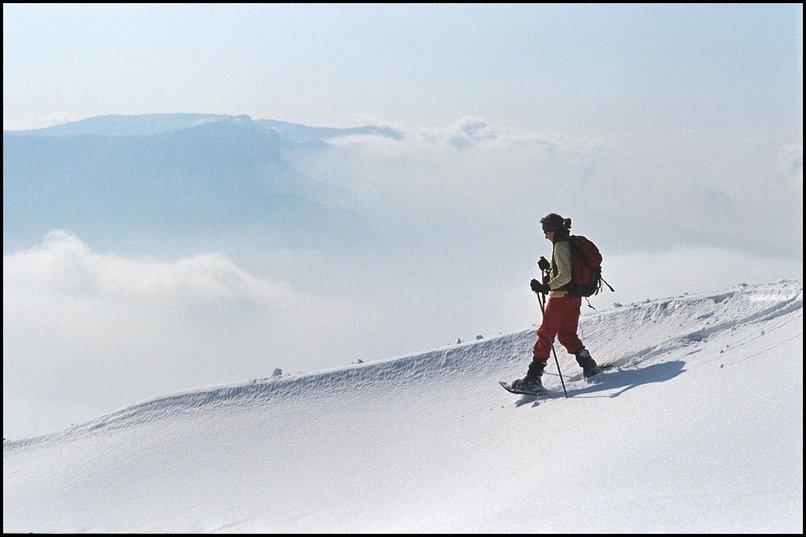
x=166, y=173
x=144, y=124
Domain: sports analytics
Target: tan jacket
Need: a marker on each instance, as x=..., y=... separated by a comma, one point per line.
x=560, y=268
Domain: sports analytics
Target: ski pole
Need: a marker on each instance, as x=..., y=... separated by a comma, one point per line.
x=551, y=339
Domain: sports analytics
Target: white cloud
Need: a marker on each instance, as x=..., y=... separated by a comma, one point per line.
x=638, y=276
x=467, y=166
x=472, y=171
x=470, y=131
x=144, y=326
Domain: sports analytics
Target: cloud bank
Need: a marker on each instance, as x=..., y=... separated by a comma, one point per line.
x=101, y=330
x=689, y=191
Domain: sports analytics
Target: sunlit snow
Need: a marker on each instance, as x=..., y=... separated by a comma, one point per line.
x=699, y=428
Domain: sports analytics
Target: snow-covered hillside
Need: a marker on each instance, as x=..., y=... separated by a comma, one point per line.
x=698, y=429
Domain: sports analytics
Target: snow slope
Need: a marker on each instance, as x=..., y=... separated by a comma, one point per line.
x=698, y=429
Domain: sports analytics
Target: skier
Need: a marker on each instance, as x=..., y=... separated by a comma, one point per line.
x=561, y=314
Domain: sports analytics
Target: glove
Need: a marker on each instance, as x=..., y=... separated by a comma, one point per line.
x=538, y=287
x=543, y=264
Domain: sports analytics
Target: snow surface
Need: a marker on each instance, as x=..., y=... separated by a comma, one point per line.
x=698, y=429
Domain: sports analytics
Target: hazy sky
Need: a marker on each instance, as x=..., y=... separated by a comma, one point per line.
x=671, y=134
x=579, y=68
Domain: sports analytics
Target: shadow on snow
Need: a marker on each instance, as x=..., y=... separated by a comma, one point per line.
x=611, y=384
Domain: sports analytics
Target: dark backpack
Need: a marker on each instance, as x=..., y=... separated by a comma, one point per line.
x=586, y=268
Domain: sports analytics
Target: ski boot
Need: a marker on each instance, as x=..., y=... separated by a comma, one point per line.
x=588, y=364
x=532, y=382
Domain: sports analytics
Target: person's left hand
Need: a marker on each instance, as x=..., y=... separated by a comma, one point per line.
x=538, y=287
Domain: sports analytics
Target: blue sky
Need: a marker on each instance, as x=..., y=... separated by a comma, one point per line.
x=577, y=68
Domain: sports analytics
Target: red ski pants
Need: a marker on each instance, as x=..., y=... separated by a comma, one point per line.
x=561, y=320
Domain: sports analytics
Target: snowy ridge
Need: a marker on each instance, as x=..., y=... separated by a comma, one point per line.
x=659, y=327
x=432, y=366
x=674, y=323
x=698, y=429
